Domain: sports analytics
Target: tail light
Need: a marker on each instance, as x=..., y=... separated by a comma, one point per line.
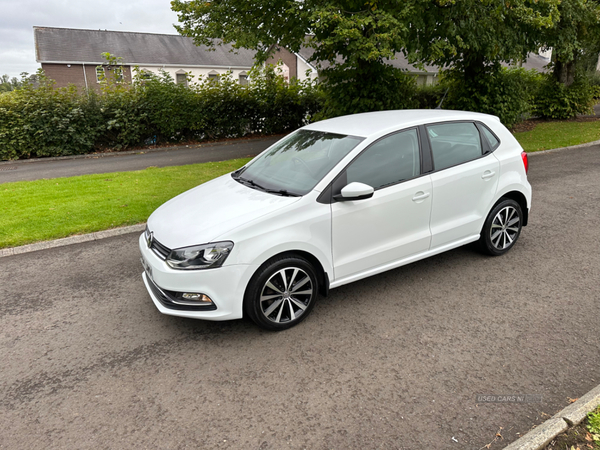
x=525, y=161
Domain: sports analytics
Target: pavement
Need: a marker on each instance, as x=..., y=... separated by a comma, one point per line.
x=34, y=169
x=393, y=361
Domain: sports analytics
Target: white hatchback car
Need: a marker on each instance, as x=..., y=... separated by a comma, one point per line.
x=331, y=203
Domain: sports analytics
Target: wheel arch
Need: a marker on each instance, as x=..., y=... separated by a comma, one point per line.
x=322, y=276
x=518, y=197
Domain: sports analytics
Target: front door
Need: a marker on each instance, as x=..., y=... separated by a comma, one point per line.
x=394, y=223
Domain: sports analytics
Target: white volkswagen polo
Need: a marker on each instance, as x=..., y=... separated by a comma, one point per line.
x=331, y=203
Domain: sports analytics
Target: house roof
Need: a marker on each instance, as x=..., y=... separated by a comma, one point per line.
x=534, y=61
x=399, y=62
x=68, y=45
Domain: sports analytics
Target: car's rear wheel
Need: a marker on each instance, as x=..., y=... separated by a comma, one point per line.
x=502, y=228
x=282, y=293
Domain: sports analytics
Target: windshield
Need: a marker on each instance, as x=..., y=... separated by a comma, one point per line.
x=294, y=165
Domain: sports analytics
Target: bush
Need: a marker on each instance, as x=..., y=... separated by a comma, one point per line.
x=430, y=96
x=123, y=117
x=554, y=100
x=44, y=121
x=374, y=87
x=594, y=78
x=504, y=92
x=281, y=107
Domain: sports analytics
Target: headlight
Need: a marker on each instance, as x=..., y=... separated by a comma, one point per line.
x=205, y=256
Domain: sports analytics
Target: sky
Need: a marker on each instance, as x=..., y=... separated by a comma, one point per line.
x=17, y=19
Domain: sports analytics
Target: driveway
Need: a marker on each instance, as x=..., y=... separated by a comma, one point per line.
x=394, y=361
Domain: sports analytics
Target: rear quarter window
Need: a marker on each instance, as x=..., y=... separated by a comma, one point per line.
x=493, y=140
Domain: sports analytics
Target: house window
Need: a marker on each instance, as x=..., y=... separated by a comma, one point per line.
x=118, y=74
x=181, y=78
x=243, y=79
x=145, y=74
x=100, y=76
x=213, y=77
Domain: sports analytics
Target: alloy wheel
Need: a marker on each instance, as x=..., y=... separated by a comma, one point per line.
x=286, y=295
x=505, y=228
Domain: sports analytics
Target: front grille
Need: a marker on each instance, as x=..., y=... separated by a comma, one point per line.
x=166, y=299
x=160, y=249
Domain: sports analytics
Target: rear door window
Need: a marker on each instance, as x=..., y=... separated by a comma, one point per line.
x=454, y=143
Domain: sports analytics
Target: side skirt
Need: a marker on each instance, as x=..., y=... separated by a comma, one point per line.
x=402, y=262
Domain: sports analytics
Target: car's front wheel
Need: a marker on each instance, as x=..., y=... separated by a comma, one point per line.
x=282, y=293
x=502, y=228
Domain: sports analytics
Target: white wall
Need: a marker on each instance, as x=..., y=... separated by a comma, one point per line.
x=302, y=68
x=545, y=53
x=425, y=79
x=196, y=72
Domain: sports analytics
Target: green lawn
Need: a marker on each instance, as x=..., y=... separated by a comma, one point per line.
x=32, y=211
x=547, y=135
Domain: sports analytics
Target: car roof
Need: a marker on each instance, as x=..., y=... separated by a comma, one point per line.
x=377, y=123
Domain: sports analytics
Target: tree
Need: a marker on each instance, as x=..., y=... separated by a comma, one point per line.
x=576, y=30
x=351, y=40
x=356, y=37
x=475, y=35
x=471, y=39
x=9, y=84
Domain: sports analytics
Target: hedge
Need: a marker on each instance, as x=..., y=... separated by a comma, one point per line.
x=42, y=120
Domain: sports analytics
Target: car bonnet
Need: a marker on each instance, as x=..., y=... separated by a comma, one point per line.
x=210, y=210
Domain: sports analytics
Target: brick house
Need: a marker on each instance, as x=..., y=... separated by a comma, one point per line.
x=74, y=56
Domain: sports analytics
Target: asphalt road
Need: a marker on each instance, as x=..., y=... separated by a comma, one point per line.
x=391, y=362
x=27, y=170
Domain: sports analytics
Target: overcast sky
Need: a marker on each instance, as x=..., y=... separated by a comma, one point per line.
x=17, y=19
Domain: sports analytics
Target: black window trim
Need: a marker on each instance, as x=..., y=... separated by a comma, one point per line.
x=490, y=147
x=486, y=148
x=326, y=197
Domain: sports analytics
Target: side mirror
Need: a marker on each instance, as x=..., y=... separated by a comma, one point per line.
x=354, y=191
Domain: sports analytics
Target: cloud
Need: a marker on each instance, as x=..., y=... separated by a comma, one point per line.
x=17, y=53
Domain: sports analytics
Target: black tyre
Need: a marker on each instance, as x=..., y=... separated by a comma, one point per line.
x=282, y=293
x=501, y=228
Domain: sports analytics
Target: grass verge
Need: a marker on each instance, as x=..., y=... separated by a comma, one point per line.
x=548, y=135
x=584, y=436
x=33, y=211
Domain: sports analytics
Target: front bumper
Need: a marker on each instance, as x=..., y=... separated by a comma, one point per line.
x=224, y=285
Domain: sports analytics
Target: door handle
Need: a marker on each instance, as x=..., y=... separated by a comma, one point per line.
x=420, y=196
x=488, y=174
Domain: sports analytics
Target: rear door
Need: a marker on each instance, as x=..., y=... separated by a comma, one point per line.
x=465, y=180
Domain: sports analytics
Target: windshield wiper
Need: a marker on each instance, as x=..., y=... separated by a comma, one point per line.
x=247, y=182
x=281, y=192
x=255, y=185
